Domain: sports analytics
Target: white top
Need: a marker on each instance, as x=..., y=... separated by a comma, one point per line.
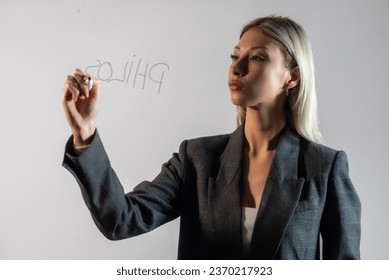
x=248, y=219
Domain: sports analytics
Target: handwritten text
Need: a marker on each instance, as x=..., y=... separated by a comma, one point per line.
x=136, y=73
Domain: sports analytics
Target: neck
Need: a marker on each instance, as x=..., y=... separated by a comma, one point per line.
x=263, y=126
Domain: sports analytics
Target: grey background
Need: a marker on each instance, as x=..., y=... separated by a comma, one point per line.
x=42, y=214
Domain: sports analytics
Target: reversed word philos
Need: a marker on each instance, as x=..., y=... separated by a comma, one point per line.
x=137, y=73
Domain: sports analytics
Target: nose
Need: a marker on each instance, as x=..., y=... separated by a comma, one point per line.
x=236, y=73
x=239, y=67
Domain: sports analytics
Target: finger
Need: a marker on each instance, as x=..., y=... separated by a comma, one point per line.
x=94, y=92
x=82, y=79
x=69, y=93
x=75, y=92
x=73, y=81
x=81, y=85
x=78, y=71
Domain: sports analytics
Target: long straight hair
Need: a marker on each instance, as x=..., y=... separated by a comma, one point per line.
x=297, y=52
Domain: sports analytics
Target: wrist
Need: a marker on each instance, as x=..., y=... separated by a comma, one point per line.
x=84, y=136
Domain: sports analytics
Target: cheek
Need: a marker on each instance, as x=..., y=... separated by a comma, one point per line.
x=274, y=79
x=260, y=80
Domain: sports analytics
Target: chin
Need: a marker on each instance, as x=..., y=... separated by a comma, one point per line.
x=238, y=103
x=238, y=99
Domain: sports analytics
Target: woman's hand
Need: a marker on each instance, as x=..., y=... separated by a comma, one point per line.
x=80, y=106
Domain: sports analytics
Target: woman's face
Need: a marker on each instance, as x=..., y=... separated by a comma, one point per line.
x=257, y=73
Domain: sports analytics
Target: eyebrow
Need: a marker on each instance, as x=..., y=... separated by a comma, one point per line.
x=253, y=48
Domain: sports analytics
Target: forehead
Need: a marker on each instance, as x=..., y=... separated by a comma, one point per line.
x=255, y=37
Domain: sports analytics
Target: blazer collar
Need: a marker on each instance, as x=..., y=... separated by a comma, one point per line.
x=280, y=197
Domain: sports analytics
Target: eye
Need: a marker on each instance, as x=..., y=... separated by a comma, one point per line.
x=233, y=57
x=258, y=58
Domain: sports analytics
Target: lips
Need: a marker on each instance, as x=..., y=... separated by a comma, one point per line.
x=235, y=85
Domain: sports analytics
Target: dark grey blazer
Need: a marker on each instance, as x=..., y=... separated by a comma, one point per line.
x=308, y=192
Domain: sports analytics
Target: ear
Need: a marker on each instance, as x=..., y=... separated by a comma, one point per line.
x=294, y=77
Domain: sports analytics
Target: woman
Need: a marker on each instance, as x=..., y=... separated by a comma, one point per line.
x=266, y=191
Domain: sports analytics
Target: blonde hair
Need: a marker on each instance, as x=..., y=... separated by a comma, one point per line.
x=297, y=51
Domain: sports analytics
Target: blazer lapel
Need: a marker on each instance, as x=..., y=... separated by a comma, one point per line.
x=224, y=201
x=280, y=197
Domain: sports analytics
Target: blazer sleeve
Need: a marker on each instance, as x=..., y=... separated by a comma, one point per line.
x=116, y=214
x=341, y=221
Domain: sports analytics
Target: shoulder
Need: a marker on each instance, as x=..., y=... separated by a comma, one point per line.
x=209, y=141
x=318, y=150
x=207, y=145
x=307, y=148
x=214, y=147
x=321, y=157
